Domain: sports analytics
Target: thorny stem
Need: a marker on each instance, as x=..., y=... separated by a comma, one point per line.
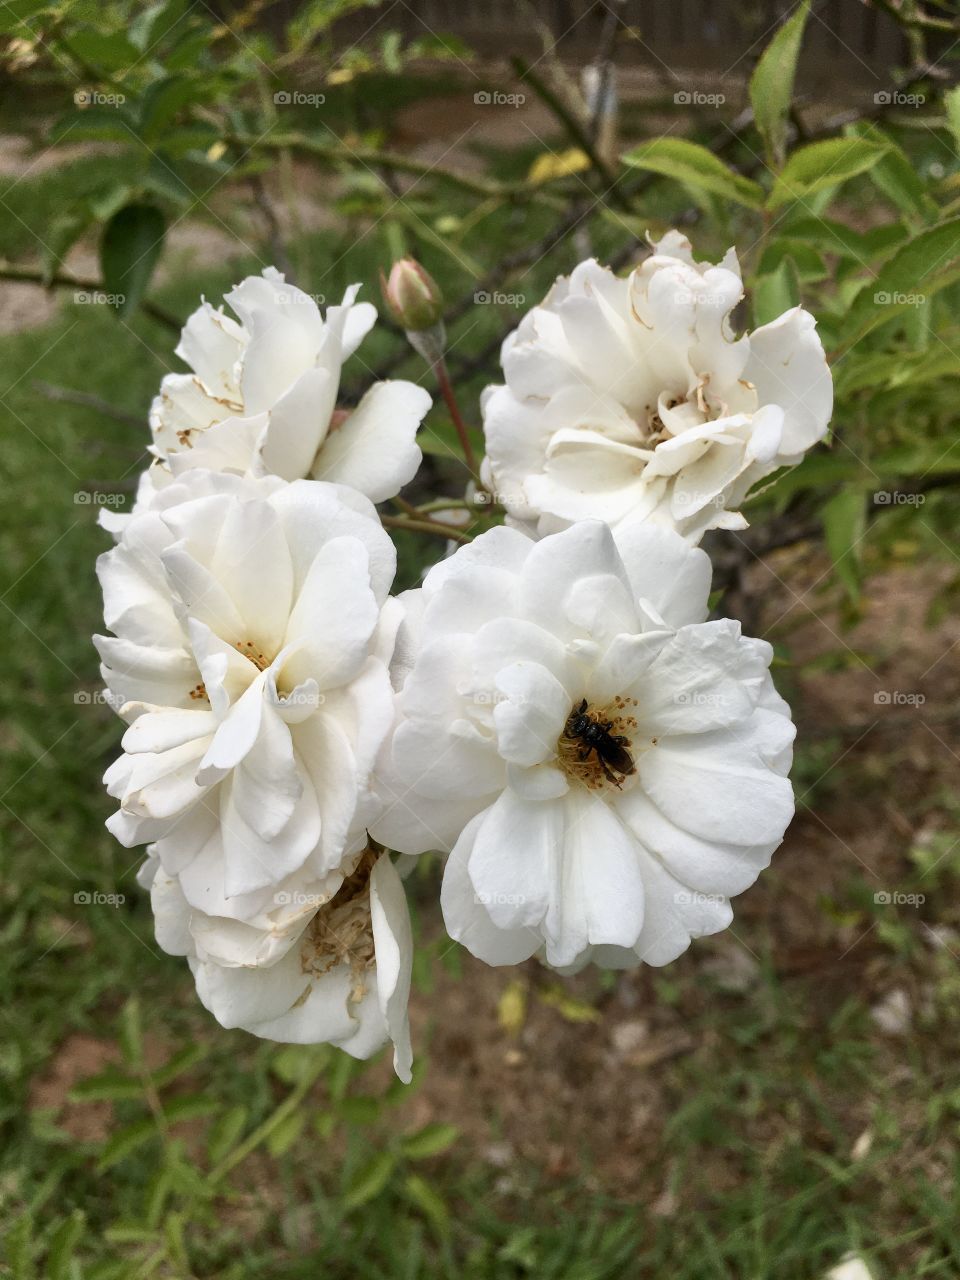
x=450, y=399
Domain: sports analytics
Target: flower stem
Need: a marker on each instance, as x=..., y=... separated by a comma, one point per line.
x=426, y=526
x=450, y=399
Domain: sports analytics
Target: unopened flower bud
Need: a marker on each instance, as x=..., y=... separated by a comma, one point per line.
x=413, y=296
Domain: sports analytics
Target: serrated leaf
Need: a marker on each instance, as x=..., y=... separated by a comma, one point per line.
x=822, y=165
x=367, y=1183
x=690, y=163
x=131, y=244
x=429, y=1141
x=844, y=523
x=771, y=85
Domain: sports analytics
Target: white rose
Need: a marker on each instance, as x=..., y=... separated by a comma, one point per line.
x=252, y=632
x=630, y=399
x=262, y=395
x=339, y=975
x=617, y=855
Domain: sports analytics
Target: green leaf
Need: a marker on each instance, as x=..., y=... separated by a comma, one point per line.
x=844, y=523
x=771, y=85
x=162, y=101
x=131, y=1033
x=102, y=50
x=369, y=1180
x=821, y=165
x=129, y=250
x=20, y=1247
x=93, y=124
x=690, y=163
x=776, y=292
x=429, y=1141
x=360, y=1109
x=808, y=262
x=423, y=1196
x=62, y=1245
x=921, y=267
x=225, y=1133
x=951, y=101
x=125, y=1141
x=858, y=246
x=286, y=1133
x=189, y=1108
x=182, y=1061
x=895, y=176
x=110, y=1086
x=295, y=1063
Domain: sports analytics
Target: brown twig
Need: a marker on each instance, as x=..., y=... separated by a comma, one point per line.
x=63, y=280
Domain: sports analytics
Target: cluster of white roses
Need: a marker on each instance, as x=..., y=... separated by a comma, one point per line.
x=551, y=708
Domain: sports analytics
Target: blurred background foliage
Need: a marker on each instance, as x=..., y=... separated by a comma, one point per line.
x=780, y=1097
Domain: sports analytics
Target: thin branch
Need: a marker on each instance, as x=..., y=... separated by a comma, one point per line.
x=578, y=134
x=62, y=280
x=426, y=526
x=376, y=159
x=67, y=395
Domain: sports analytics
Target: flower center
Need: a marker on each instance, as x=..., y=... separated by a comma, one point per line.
x=595, y=746
x=252, y=651
x=342, y=932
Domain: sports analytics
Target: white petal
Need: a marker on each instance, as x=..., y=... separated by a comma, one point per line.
x=375, y=449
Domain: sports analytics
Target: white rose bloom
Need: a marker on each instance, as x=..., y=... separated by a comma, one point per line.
x=515, y=659
x=631, y=398
x=252, y=632
x=338, y=973
x=263, y=392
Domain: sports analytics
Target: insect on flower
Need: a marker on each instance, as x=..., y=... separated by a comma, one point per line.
x=595, y=735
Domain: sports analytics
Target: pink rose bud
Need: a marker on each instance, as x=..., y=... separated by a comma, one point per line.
x=413, y=296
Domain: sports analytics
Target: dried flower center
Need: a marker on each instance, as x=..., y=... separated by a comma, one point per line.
x=341, y=933
x=595, y=747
